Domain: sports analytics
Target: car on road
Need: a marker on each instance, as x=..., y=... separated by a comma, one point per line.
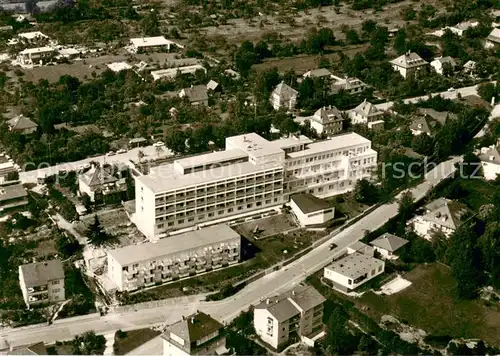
x=332, y=246
x=110, y=153
x=159, y=144
x=121, y=150
x=451, y=89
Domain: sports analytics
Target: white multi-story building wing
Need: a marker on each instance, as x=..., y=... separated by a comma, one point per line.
x=135, y=266
x=251, y=174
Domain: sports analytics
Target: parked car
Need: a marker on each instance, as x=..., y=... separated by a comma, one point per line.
x=158, y=144
x=121, y=150
x=332, y=246
x=110, y=153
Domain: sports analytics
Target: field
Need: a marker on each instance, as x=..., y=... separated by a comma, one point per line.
x=133, y=339
x=237, y=30
x=429, y=303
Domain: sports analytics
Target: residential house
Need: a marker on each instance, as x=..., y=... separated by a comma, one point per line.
x=177, y=256
x=197, y=95
x=213, y=86
x=440, y=64
x=428, y=121
x=42, y=282
x=22, y=125
x=12, y=196
x=33, y=349
x=7, y=168
x=367, y=114
x=493, y=38
x=328, y=121
x=461, y=27
x=284, y=97
x=99, y=181
x=470, y=68
x=408, y=64
x=440, y=216
x=118, y=66
x=352, y=270
x=318, y=73
x=232, y=73
x=387, y=244
x=292, y=316
x=490, y=161
x=30, y=57
x=348, y=85
x=196, y=334
x=311, y=210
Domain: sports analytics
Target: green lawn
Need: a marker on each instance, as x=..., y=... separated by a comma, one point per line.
x=430, y=304
x=479, y=192
x=133, y=339
x=345, y=204
x=268, y=251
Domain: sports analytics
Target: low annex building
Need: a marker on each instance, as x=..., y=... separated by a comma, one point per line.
x=42, y=282
x=196, y=334
x=353, y=270
x=292, y=316
x=141, y=44
x=311, y=210
x=490, y=161
x=173, y=257
x=197, y=94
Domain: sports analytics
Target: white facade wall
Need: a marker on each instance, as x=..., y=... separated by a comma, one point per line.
x=85, y=189
x=170, y=266
x=191, y=205
x=490, y=170
x=425, y=228
x=348, y=282
x=170, y=349
x=267, y=327
x=330, y=172
x=316, y=218
x=401, y=70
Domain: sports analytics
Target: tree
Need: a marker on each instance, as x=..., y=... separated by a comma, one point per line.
x=351, y=37
x=67, y=245
x=366, y=192
x=89, y=343
x=338, y=339
x=405, y=208
x=464, y=261
x=470, y=167
x=96, y=234
x=487, y=91
x=150, y=25
x=423, y=144
x=400, y=42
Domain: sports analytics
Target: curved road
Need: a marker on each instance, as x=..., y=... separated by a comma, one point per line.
x=229, y=308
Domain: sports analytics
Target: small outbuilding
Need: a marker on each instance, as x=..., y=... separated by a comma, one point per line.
x=311, y=210
x=387, y=244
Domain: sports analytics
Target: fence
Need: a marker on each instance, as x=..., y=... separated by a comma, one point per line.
x=159, y=303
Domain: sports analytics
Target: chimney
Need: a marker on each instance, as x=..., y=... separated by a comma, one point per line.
x=293, y=292
x=268, y=301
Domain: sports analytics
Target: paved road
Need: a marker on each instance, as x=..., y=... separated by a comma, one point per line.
x=229, y=308
x=150, y=152
x=446, y=95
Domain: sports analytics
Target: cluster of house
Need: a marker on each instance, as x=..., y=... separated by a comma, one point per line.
x=294, y=316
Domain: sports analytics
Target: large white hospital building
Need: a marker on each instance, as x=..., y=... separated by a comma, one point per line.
x=251, y=174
